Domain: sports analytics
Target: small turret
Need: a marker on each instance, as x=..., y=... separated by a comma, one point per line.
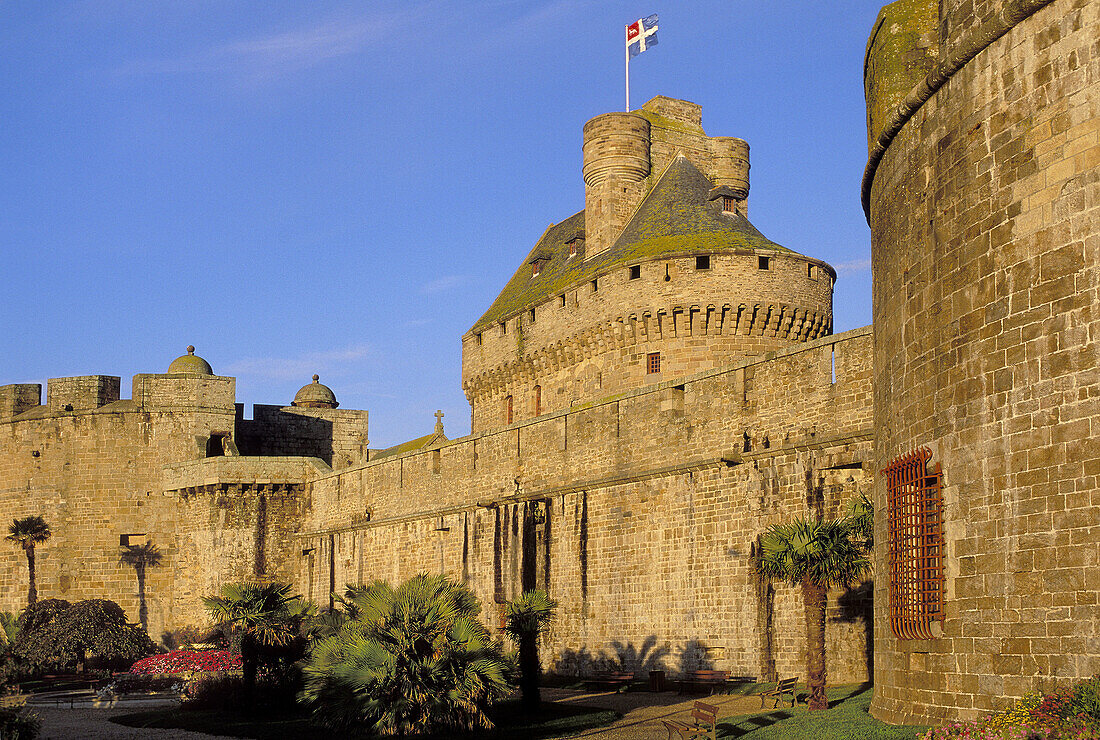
x=616, y=164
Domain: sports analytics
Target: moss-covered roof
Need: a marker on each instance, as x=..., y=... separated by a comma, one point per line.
x=413, y=444
x=675, y=219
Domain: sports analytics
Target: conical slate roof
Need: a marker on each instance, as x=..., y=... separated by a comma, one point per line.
x=677, y=218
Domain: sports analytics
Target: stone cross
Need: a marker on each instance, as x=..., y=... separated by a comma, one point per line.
x=439, y=421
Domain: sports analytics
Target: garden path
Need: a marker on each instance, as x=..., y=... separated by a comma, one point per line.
x=94, y=724
x=643, y=711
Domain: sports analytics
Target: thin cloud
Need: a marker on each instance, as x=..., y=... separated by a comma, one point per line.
x=276, y=54
x=442, y=284
x=853, y=266
x=302, y=366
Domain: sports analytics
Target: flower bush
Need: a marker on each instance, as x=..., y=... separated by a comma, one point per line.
x=1065, y=714
x=183, y=661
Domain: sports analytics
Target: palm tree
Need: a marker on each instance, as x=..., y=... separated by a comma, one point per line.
x=28, y=532
x=816, y=555
x=405, y=661
x=861, y=513
x=141, y=557
x=261, y=618
x=526, y=620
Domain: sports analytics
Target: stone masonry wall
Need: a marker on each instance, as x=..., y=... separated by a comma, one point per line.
x=639, y=512
x=985, y=220
x=337, y=436
x=95, y=475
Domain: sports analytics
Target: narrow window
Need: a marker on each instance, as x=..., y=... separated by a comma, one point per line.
x=915, y=526
x=531, y=316
x=653, y=363
x=536, y=268
x=538, y=400
x=503, y=328
x=508, y=410
x=728, y=204
x=764, y=263
x=635, y=272
x=435, y=461
x=477, y=337
x=810, y=271
x=562, y=298
x=595, y=285
x=702, y=262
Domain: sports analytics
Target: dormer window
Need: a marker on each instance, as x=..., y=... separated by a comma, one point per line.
x=575, y=244
x=729, y=205
x=537, y=263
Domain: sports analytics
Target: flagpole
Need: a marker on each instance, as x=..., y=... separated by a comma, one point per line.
x=626, y=48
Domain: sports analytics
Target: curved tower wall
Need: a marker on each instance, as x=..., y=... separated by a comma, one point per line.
x=983, y=197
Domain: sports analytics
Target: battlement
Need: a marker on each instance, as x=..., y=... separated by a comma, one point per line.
x=185, y=391
x=15, y=399
x=82, y=393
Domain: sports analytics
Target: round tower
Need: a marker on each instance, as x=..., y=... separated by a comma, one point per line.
x=616, y=165
x=984, y=205
x=731, y=167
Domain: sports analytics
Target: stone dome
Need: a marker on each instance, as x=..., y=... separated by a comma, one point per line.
x=190, y=363
x=315, y=396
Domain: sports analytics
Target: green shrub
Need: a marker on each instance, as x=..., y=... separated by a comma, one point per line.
x=1085, y=703
x=19, y=724
x=406, y=661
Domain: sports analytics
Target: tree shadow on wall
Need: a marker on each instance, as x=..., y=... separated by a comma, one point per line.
x=858, y=605
x=618, y=656
x=694, y=656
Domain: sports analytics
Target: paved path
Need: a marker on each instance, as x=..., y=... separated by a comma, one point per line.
x=642, y=714
x=642, y=711
x=94, y=724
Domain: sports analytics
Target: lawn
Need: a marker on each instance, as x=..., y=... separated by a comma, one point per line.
x=512, y=724
x=846, y=719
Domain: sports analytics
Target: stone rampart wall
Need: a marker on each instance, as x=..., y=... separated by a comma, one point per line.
x=639, y=512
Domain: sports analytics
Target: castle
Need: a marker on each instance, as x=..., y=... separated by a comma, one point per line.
x=656, y=384
x=659, y=382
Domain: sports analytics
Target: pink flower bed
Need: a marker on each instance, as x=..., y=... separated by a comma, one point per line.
x=182, y=661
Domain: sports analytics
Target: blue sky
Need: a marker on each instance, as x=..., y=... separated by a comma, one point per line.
x=344, y=187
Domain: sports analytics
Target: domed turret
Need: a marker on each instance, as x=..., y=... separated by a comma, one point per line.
x=315, y=396
x=190, y=363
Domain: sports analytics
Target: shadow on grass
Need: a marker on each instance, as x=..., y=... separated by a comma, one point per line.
x=512, y=723
x=846, y=719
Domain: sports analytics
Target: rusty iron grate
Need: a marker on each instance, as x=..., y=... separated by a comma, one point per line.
x=915, y=515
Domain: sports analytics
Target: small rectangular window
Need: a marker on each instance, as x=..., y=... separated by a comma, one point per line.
x=595, y=285
x=729, y=205
x=810, y=271
x=635, y=272
x=562, y=298
x=653, y=363
x=503, y=328
x=764, y=263
x=477, y=338
x=531, y=316
x=702, y=262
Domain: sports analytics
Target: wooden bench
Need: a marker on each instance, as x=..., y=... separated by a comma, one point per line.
x=784, y=687
x=706, y=679
x=617, y=680
x=704, y=723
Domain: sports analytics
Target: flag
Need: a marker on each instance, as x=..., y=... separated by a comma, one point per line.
x=641, y=34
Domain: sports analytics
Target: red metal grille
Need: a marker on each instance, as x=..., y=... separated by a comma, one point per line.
x=915, y=515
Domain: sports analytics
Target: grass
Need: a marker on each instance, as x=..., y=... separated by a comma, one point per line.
x=512, y=723
x=846, y=719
